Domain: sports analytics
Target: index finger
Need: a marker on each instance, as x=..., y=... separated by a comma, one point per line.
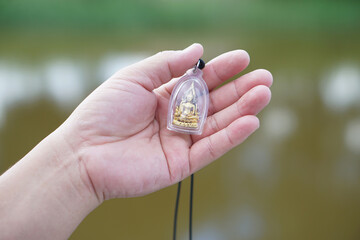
x=218, y=70
x=224, y=67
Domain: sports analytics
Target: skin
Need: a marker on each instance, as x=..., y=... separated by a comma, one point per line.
x=116, y=144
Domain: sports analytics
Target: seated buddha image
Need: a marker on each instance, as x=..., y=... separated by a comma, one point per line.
x=186, y=113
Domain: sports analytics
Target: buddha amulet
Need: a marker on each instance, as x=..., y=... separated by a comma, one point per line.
x=189, y=103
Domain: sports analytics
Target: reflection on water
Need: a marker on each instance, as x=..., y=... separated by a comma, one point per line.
x=258, y=161
x=207, y=230
x=285, y=182
x=340, y=87
x=250, y=224
x=352, y=136
x=347, y=173
x=279, y=123
x=113, y=62
x=12, y=86
x=64, y=81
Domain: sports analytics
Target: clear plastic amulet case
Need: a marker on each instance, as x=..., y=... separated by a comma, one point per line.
x=189, y=103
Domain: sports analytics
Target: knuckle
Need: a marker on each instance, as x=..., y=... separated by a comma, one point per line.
x=211, y=149
x=212, y=108
x=214, y=125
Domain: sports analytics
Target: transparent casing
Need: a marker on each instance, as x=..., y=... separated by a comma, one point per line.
x=189, y=103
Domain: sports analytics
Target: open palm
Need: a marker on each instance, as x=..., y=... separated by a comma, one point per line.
x=120, y=132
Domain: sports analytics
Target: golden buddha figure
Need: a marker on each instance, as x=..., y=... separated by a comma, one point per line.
x=186, y=113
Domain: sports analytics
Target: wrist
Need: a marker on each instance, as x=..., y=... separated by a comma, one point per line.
x=45, y=194
x=67, y=158
x=66, y=163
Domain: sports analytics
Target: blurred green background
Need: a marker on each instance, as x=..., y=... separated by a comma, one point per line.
x=297, y=177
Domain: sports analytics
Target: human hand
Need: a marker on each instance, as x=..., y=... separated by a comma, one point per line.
x=119, y=132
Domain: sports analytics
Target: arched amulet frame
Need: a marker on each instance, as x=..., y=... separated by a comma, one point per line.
x=189, y=102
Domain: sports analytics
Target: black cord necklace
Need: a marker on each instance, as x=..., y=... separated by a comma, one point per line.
x=188, y=107
x=176, y=209
x=191, y=207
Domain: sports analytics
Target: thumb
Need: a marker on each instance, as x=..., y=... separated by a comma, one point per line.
x=160, y=68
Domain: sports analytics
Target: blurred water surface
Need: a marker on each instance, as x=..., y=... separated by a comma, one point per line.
x=297, y=177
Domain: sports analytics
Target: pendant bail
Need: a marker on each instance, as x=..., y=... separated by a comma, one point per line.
x=199, y=65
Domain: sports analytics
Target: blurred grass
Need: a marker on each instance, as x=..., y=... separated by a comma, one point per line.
x=143, y=15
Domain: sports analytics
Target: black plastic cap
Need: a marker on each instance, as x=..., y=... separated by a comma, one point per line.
x=201, y=64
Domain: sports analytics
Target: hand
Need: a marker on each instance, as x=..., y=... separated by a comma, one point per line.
x=119, y=132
